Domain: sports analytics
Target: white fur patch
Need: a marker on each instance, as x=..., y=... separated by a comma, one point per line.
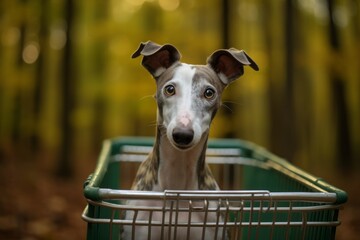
x=223, y=78
x=159, y=71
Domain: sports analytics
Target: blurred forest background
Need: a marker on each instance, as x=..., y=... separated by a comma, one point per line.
x=67, y=83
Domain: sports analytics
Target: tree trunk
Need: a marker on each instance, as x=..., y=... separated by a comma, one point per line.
x=288, y=90
x=344, y=153
x=64, y=168
x=39, y=79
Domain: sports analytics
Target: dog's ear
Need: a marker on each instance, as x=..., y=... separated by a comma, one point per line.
x=157, y=58
x=229, y=63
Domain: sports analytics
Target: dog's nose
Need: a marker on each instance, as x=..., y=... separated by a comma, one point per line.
x=183, y=136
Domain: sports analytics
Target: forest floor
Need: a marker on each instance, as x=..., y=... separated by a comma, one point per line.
x=36, y=205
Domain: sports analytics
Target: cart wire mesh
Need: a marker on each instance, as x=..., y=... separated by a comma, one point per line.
x=294, y=204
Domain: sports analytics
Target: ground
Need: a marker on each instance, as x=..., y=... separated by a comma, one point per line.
x=34, y=204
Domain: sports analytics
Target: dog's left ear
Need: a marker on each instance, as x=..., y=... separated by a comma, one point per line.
x=229, y=63
x=157, y=58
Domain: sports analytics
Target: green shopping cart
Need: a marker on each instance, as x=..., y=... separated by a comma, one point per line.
x=266, y=197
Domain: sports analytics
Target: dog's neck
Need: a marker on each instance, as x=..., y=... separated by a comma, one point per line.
x=177, y=169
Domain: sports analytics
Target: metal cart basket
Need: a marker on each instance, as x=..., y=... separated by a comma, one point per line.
x=274, y=200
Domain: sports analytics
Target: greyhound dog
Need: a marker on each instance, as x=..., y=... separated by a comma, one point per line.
x=188, y=97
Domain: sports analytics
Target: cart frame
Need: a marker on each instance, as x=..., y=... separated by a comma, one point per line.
x=278, y=200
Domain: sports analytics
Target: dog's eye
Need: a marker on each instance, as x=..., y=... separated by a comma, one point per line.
x=169, y=90
x=209, y=93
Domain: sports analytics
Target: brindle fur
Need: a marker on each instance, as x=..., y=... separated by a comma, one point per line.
x=156, y=174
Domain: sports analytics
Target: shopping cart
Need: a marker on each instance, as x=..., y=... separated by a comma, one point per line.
x=275, y=200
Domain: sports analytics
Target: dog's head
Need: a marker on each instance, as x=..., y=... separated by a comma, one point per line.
x=188, y=96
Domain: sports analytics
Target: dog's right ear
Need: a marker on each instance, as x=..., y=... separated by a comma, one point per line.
x=157, y=58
